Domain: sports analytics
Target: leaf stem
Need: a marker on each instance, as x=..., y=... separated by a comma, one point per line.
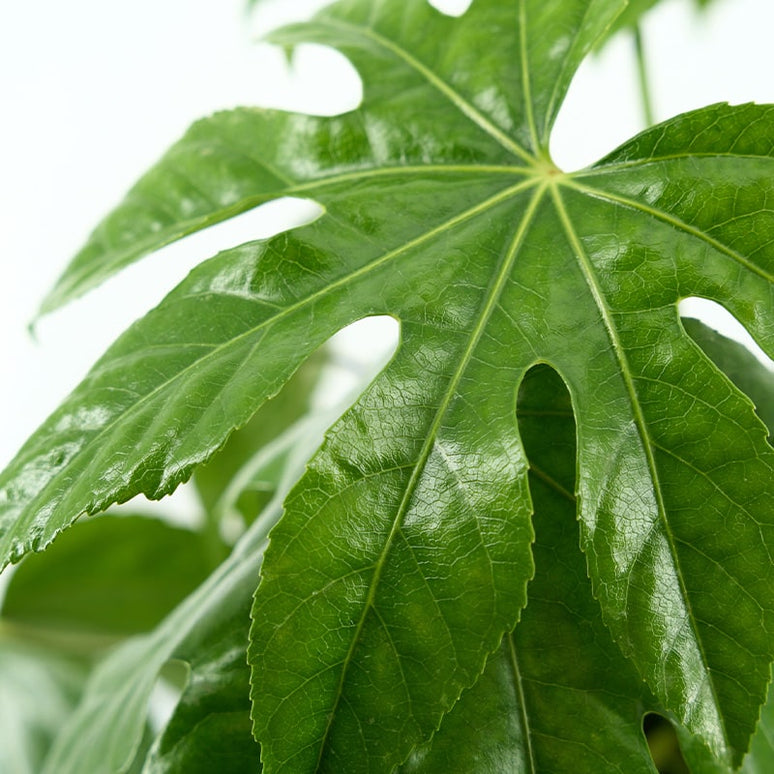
x=646, y=100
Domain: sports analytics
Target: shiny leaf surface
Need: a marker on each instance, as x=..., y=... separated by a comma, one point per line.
x=405, y=550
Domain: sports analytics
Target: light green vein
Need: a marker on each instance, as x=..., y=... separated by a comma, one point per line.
x=550, y=481
x=525, y=724
x=526, y=84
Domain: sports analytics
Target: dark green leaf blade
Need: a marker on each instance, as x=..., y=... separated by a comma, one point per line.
x=115, y=575
x=558, y=695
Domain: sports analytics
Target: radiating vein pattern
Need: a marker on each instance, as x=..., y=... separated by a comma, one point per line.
x=405, y=550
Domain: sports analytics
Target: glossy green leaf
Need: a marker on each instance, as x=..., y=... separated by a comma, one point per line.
x=38, y=691
x=106, y=731
x=114, y=575
x=406, y=547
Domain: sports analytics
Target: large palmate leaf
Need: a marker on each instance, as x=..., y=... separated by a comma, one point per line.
x=405, y=549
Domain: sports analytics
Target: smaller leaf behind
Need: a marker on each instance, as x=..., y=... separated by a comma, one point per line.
x=210, y=728
x=274, y=417
x=106, y=730
x=114, y=575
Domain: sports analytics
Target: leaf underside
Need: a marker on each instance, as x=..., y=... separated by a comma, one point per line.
x=405, y=549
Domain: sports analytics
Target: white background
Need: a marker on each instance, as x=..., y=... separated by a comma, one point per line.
x=94, y=91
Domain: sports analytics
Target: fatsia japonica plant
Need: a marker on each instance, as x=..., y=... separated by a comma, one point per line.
x=549, y=515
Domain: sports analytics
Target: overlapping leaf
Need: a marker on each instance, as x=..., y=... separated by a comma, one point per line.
x=405, y=550
x=208, y=630
x=761, y=757
x=114, y=576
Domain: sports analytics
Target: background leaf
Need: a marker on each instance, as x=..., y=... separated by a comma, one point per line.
x=105, y=732
x=210, y=728
x=636, y=9
x=114, y=575
x=288, y=406
x=38, y=691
